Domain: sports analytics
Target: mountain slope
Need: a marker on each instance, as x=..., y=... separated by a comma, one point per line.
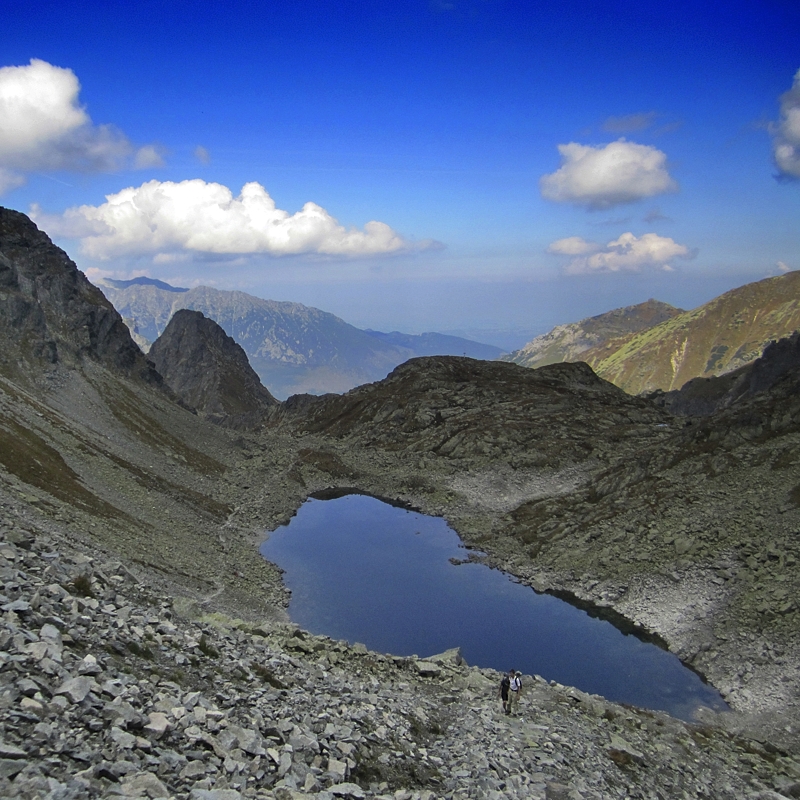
x=704, y=396
x=559, y=478
x=571, y=341
x=724, y=334
x=90, y=436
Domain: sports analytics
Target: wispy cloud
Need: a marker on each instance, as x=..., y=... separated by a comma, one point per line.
x=786, y=133
x=655, y=215
x=163, y=219
x=202, y=155
x=602, y=177
x=625, y=254
x=43, y=127
x=630, y=123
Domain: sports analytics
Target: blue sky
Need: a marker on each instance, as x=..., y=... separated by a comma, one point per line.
x=489, y=167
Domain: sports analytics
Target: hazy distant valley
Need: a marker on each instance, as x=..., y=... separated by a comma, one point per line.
x=294, y=348
x=146, y=650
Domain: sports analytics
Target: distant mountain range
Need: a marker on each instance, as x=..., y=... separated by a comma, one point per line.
x=293, y=348
x=654, y=346
x=571, y=342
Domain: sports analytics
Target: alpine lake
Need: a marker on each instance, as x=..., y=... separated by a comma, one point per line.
x=400, y=582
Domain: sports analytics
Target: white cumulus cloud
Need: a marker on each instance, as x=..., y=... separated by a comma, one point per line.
x=625, y=254
x=603, y=177
x=786, y=134
x=159, y=218
x=44, y=127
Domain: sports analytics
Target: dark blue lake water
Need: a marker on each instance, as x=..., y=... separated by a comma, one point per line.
x=365, y=571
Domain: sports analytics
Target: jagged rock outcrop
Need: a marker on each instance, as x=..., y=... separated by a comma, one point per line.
x=49, y=312
x=571, y=341
x=780, y=362
x=208, y=371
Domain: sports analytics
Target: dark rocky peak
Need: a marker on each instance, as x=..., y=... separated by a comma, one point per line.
x=209, y=371
x=49, y=312
x=777, y=372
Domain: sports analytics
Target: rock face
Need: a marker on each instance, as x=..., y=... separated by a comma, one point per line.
x=571, y=341
x=209, y=371
x=50, y=313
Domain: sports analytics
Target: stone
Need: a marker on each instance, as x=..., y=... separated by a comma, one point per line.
x=556, y=791
x=76, y=689
x=31, y=706
x=144, y=784
x=450, y=657
x=89, y=666
x=122, y=738
x=428, y=669
x=337, y=768
x=10, y=768
x=11, y=751
x=620, y=745
x=16, y=607
x=158, y=724
x=215, y=794
x=194, y=769
x=347, y=790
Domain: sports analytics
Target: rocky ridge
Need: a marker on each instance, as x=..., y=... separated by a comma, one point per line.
x=50, y=314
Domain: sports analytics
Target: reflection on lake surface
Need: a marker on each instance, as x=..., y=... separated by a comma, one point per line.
x=365, y=571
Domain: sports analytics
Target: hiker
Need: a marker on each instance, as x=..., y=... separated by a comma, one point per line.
x=505, y=686
x=515, y=690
